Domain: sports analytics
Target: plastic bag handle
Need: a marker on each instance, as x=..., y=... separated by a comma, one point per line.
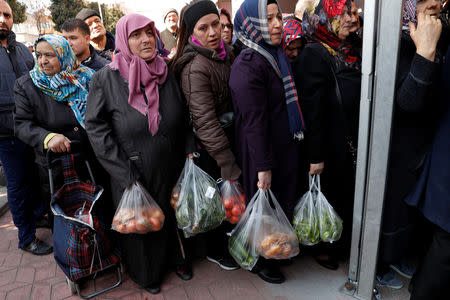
x=314, y=182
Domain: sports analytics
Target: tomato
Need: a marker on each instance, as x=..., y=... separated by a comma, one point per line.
x=158, y=214
x=242, y=198
x=131, y=226
x=236, y=211
x=155, y=224
x=228, y=213
x=141, y=227
x=227, y=203
x=121, y=228
x=234, y=219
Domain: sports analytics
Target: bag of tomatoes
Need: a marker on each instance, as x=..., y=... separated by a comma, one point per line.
x=233, y=199
x=137, y=212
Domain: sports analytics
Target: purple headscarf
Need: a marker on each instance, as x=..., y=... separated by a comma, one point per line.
x=137, y=72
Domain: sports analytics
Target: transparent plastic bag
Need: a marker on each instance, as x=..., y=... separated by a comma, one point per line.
x=263, y=230
x=199, y=207
x=137, y=212
x=330, y=224
x=306, y=223
x=233, y=199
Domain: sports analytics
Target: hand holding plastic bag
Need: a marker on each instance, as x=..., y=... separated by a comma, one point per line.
x=330, y=223
x=264, y=230
x=233, y=199
x=306, y=223
x=137, y=212
x=199, y=207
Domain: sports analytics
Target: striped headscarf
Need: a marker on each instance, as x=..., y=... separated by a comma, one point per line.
x=252, y=29
x=71, y=84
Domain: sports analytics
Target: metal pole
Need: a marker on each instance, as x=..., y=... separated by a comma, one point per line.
x=389, y=29
x=368, y=65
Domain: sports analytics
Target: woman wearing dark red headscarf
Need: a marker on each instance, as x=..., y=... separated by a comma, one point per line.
x=331, y=115
x=137, y=122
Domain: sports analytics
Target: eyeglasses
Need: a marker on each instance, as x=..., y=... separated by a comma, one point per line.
x=229, y=26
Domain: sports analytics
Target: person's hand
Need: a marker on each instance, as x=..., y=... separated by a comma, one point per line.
x=316, y=169
x=426, y=35
x=190, y=155
x=264, y=179
x=59, y=143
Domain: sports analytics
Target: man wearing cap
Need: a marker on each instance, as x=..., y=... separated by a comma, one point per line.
x=16, y=157
x=103, y=41
x=169, y=36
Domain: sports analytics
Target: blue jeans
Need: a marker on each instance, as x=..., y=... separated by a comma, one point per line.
x=18, y=165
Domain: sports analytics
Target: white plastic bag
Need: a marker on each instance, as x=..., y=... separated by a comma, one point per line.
x=330, y=223
x=306, y=223
x=199, y=207
x=263, y=230
x=137, y=212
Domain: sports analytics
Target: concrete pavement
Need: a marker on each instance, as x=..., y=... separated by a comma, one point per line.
x=25, y=276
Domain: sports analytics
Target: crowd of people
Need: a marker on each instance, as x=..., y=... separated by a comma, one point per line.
x=264, y=99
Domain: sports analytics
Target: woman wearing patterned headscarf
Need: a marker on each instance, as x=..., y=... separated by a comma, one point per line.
x=331, y=110
x=51, y=104
x=269, y=122
x=138, y=125
x=292, y=39
x=417, y=108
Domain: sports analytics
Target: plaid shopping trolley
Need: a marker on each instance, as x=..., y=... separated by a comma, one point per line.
x=81, y=247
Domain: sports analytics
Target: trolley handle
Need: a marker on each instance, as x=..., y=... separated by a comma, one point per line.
x=53, y=158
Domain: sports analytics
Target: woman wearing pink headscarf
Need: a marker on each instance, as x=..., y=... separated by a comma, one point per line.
x=137, y=122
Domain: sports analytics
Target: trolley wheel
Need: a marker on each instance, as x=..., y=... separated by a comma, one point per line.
x=71, y=285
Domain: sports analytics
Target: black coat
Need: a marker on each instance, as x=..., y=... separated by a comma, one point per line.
x=326, y=133
x=416, y=110
x=95, y=61
x=37, y=114
x=124, y=146
x=432, y=193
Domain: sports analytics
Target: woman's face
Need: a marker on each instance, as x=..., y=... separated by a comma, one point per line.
x=429, y=7
x=293, y=49
x=142, y=42
x=345, y=24
x=47, y=59
x=208, y=31
x=227, y=29
x=275, y=23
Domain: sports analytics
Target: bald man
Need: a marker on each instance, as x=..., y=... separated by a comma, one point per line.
x=16, y=157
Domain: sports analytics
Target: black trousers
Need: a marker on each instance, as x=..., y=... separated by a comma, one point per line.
x=432, y=279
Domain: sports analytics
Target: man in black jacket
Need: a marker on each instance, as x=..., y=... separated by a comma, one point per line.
x=103, y=41
x=17, y=158
x=77, y=33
